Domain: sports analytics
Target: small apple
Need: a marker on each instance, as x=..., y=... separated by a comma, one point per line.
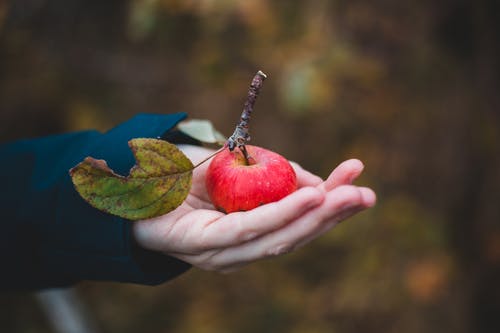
x=236, y=184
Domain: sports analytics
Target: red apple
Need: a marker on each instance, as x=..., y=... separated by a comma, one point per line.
x=233, y=185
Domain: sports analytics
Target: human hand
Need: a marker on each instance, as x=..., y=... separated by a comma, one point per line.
x=208, y=239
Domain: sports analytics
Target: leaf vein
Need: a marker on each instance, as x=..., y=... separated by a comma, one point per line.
x=157, y=199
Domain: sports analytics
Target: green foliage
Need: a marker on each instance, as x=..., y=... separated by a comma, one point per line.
x=157, y=184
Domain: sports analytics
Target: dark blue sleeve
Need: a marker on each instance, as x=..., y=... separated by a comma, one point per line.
x=49, y=235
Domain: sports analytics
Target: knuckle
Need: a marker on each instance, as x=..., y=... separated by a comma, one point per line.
x=209, y=261
x=243, y=234
x=208, y=266
x=248, y=235
x=204, y=260
x=280, y=250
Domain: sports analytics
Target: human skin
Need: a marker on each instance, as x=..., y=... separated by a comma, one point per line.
x=208, y=239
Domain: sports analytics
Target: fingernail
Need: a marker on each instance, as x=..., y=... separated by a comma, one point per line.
x=369, y=197
x=359, y=166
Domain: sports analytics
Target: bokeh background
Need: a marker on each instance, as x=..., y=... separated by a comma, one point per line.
x=409, y=87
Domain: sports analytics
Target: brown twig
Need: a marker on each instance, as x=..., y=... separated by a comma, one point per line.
x=241, y=134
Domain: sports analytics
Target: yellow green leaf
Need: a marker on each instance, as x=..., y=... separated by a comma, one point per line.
x=157, y=184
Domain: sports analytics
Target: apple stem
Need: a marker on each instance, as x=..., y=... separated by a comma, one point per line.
x=241, y=134
x=245, y=154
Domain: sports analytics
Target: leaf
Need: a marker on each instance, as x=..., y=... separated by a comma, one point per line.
x=156, y=185
x=201, y=130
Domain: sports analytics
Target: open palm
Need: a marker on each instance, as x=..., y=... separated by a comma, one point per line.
x=198, y=234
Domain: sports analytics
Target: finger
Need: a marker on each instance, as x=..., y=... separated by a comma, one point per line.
x=237, y=228
x=339, y=204
x=367, y=200
x=344, y=174
x=227, y=262
x=349, y=207
x=304, y=177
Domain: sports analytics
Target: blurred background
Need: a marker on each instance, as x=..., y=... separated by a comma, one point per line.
x=409, y=87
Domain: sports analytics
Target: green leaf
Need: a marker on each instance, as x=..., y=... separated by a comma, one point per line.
x=156, y=185
x=201, y=130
